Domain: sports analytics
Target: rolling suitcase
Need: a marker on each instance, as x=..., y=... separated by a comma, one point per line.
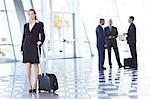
x=47, y=82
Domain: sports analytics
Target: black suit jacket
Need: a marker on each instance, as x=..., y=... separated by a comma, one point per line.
x=31, y=37
x=131, y=35
x=113, y=32
x=29, y=42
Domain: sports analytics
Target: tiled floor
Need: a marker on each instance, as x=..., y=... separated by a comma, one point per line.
x=79, y=79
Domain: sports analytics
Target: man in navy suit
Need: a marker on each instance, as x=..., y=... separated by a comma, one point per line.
x=131, y=40
x=101, y=44
x=111, y=33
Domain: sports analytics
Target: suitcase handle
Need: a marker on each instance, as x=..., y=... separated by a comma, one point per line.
x=39, y=54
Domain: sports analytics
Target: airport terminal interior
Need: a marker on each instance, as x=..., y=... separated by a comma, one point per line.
x=70, y=52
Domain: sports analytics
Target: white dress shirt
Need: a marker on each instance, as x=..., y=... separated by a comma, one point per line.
x=32, y=25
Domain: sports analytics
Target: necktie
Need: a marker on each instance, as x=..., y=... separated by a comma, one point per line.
x=110, y=28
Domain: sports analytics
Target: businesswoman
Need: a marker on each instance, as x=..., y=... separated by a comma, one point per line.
x=33, y=37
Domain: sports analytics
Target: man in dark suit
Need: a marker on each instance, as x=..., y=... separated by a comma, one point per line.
x=131, y=40
x=111, y=34
x=101, y=44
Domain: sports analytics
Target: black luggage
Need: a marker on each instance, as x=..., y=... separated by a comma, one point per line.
x=47, y=82
x=127, y=62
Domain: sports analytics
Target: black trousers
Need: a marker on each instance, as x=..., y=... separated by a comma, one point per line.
x=115, y=47
x=101, y=56
x=133, y=51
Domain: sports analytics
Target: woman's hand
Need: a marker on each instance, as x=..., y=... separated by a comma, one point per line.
x=39, y=43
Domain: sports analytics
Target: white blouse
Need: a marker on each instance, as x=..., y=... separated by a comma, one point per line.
x=32, y=25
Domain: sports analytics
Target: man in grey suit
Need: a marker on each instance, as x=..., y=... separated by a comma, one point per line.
x=111, y=33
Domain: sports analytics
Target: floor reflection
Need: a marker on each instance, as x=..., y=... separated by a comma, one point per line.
x=78, y=79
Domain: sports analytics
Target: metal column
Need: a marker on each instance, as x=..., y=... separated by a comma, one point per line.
x=9, y=30
x=20, y=13
x=74, y=37
x=31, y=2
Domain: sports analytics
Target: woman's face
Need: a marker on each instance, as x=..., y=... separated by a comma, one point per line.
x=31, y=15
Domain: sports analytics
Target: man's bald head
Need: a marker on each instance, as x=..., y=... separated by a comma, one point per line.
x=110, y=22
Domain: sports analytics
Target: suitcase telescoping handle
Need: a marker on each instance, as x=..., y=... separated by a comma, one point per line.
x=43, y=71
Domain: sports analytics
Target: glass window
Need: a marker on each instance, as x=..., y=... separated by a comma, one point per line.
x=37, y=8
x=4, y=33
x=26, y=4
x=63, y=5
x=15, y=31
x=37, y=4
x=12, y=16
x=62, y=29
x=1, y=5
x=5, y=41
x=9, y=5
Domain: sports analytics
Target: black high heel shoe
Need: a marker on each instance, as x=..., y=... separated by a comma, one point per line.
x=34, y=90
x=30, y=90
